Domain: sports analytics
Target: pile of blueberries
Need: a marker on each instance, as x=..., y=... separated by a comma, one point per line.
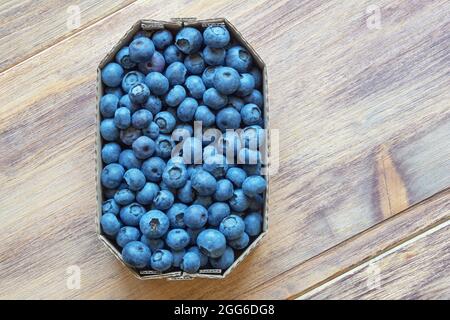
x=175, y=199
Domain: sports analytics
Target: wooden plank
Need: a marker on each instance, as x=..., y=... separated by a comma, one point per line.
x=27, y=26
x=417, y=269
x=365, y=122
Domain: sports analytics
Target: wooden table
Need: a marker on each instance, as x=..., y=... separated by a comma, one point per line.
x=360, y=94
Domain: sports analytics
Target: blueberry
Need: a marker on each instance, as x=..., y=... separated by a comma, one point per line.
x=256, y=73
x=161, y=260
x=125, y=102
x=129, y=135
x=194, y=63
x=112, y=175
x=141, y=49
x=175, y=96
x=253, y=137
x=127, y=234
x=216, y=165
x=177, y=239
x=204, y=183
x=217, y=212
x=157, y=83
x=108, y=130
x=232, y=227
x=176, y=73
x=254, y=185
x=246, y=85
x=203, y=114
x=110, y=224
x=195, y=216
x=124, y=197
x=153, y=244
x=253, y=224
x=111, y=152
x=214, y=99
x=238, y=58
x=128, y=160
x=130, y=79
x=195, y=86
x=256, y=202
x=173, y=54
x=240, y=243
x=236, y=176
x=216, y=36
x=208, y=76
x=186, y=193
x=177, y=257
x=152, y=131
x=164, y=146
x=188, y=40
x=163, y=200
x=230, y=144
x=214, y=56
x=224, y=261
x=143, y=147
x=153, y=169
x=255, y=97
x=226, y=80
x=154, y=224
x=116, y=91
x=175, y=175
x=112, y=74
x=153, y=104
x=239, y=201
x=108, y=105
x=224, y=190
x=253, y=169
x=146, y=195
x=209, y=151
x=176, y=215
x=228, y=118
x=192, y=150
x=131, y=214
x=123, y=58
x=236, y=102
x=139, y=93
x=134, y=178
x=182, y=131
x=156, y=63
x=109, y=193
x=204, y=201
x=251, y=114
x=122, y=118
x=136, y=254
x=110, y=206
x=203, y=258
x=190, y=262
x=186, y=109
x=164, y=186
x=211, y=243
x=162, y=38
x=249, y=156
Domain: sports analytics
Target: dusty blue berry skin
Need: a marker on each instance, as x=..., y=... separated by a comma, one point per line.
x=226, y=80
x=229, y=144
x=161, y=260
x=195, y=216
x=136, y=254
x=204, y=183
x=177, y=239
x=123, y=58
x=254, y=185
x=110, y=206
x=112, y=74
x=175, y=96
x=117, y=91
x=157, y=83
x=152, y=131
x=153, y=169
x=122, y=118
x=204, y=201
x=240, y=243
x=256, y=73
x=139, y=93
x=192, y=150
x=194, y=63
x=253, y=137
x=208, y=76
x=238, y=58
x=246, y=85
x=176, y=215
x=224, y=261
x=110, y=224
x=173, y=54
x=146, y=195
x=176, y=73
x=190, y=262
x=129, y=135
x=224, y=190
x=125, y=102
x=203, y=258
x=195, y=86
x=255, y=97
x=156, y=63
x=112, y=175
x=162, y=38
x=228, y=118
x=214, y=99
x=130, y=79
x=153, y=104
x=214, y=56
x=175, y=175
x=186, y=193
x=124, y=197
x=216, y=36
x=253, y=224
x=165, y=121
x=188, y=40
x=177, y=257
x=108, y=105
x=108, y=130
x=236, y=176
x=128, y=160
x=127, y=234
x=232, y=227
x=134, y=178
x=153, y=244
x=141, y=49
x=211, y=243
x=131, y=214
x=217, y=212
x=186, y=109
x=163, y=200
x=239, y=201
x=203, y=114
x=111, y=152
x=216, y=165
x=249, y=157
x=154, y=224
x=143, y=147
x=236, y=102
x=164, y=146
x=251, y=114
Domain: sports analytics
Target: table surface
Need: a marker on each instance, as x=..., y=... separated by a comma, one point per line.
x=360, y=96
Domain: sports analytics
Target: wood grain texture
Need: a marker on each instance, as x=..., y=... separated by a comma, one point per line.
x=417, y=269
x=364, y=123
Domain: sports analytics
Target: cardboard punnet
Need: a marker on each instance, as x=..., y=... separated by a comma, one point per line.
x=148, y=25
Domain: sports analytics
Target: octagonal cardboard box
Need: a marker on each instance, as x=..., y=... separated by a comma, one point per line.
x=149, y=26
